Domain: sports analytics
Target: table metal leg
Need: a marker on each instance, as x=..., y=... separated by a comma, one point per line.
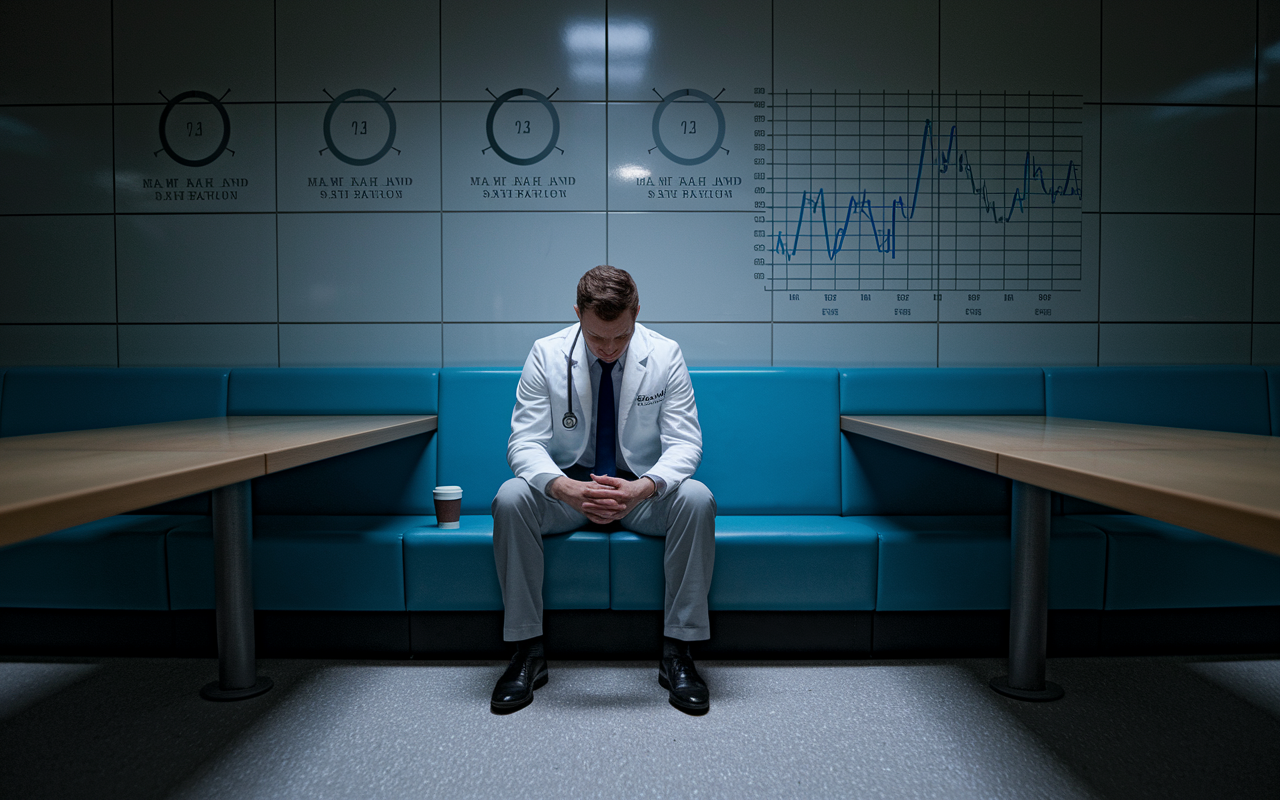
x=1029, y=598
x=233, y=576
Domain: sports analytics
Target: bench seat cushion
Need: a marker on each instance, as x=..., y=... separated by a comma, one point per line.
x=765, y=563
x=962, y=563
x=1152, y=564
x=302, y=563
x=453, y=570
x=116, y=563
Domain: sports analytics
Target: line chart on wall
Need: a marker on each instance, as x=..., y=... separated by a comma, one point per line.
x=923, y=206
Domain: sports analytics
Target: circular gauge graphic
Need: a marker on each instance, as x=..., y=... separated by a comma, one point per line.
x=657, y=127
x=222, y=143
x=555, y=126
x=328, y=127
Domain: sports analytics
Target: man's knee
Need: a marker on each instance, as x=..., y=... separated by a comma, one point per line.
x=514, y=497
x=693, y=497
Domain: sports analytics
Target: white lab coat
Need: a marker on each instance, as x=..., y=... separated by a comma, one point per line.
x=658, y=431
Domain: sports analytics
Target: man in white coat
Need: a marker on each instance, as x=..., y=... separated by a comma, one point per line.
x=625, y=459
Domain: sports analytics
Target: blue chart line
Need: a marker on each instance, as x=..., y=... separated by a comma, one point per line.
x=885, y=232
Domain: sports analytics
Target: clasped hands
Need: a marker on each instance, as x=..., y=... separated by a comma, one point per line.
x=604, y=498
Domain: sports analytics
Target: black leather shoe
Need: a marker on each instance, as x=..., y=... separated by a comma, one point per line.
x=514, y=690
x=678, y=675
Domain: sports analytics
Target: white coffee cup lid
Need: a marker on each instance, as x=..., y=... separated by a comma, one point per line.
x=448, y=492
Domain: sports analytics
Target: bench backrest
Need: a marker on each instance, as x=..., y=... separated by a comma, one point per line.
x=394, y=478
x=880, y=478
x=475, y=423
x=1273, y=397
x=52, y=399
x=770, y=438
x=1220, y=398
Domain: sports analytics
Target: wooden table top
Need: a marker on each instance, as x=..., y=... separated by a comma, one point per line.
x=1223, y=484
x=56, y=480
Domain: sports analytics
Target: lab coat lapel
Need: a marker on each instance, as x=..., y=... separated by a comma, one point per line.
x=582, y=387
x=637, y=364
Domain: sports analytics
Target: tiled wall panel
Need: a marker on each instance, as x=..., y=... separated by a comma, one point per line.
x=197, y=267
x=55, y=51
x=855, y=344
x=1266, y=344
x=1000, y=45
x=359, y=267
x=650, y=45
x=360, y=345
x=1176, y=267
x=1177, y=158
x=1266, y=269
x=517, y=267
x=494, y=344
x=491, y=48
x=58, y=345
x=62, y=269
x=225, y=48
x=55, y=159
x=1203, y=53
x=1268, y=166
x=856, y=46
x=1172, y=343
x=688, y=250
x=1017, y=344
x=720, y=344
x=323, y=47
x=198, y=345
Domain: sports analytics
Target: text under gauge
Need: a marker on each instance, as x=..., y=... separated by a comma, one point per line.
x=523, y=127
x=359, y=128
x=194, y=129
x=688, y=127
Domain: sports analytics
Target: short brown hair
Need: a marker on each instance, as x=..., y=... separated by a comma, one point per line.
x=608, y=291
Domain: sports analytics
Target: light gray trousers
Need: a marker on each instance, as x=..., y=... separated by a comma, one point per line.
x=686, y=516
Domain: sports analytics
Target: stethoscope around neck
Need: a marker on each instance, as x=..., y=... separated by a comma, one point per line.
x=570, y=419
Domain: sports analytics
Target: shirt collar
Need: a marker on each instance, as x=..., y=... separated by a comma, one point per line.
x=593, y=361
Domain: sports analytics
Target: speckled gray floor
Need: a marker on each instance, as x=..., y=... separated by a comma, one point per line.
x=1128, y=728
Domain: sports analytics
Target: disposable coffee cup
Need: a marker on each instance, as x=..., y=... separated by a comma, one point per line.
x=448, y=506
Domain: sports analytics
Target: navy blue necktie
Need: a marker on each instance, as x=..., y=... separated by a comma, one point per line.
x=606, y=424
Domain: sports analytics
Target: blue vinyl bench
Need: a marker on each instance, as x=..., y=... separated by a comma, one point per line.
x=1273, y=396
x=1163, y=580
x=328, y=553
x=781, y=543
x=110, y=573
x=826, y=542
x=943, y=583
